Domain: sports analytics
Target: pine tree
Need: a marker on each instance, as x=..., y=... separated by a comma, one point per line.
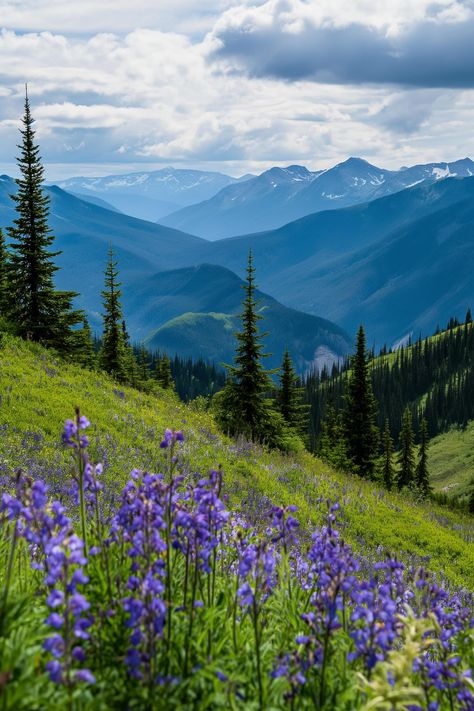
x=113, y=355
x=360, y=430
x=39, y=312
x=468, y=318
x=165, y=375
x=331, y=445
x=387, y=469
x=242, y=406
x=84, y=352
x=4, y=291
x=406, y=456
x=422, y=477
x=289, y=398
x=143, y=364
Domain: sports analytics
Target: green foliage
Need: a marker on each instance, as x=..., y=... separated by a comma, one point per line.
x=114, y=355
x=359, y=417
x=39, y=312
x=84, y=353
x=332, y=444
x=163, y=372
x=3, y=277
x=387, y=468
x=243, y=406
x=422, y=477
x=289, y=398
x=36, y=390
x=406, y=455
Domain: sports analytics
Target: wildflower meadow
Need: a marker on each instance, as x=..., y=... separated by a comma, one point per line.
x=166, y=595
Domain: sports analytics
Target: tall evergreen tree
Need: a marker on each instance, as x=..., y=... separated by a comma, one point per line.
x=406, y=455
x=331, y=445
x=422, y=477
x=165, y=377
x=39, y=312
x=360, y=430
x=4, y=291
x=289, y=398
x=113, y=355
x=84, y=352
x=387, y=469
x=243, y=407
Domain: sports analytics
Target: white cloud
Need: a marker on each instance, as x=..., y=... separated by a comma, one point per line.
x=114, y=92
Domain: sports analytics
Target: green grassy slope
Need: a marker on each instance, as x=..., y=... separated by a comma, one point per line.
x=38, y=393
x=452, y=461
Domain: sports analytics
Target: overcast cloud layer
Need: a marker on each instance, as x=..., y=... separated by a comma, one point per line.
x=240, y=85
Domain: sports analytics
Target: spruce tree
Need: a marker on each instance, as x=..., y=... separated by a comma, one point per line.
x=422, y=477
x=406, y=456
x=84, y=352
x=165, y=375
x=242, y=406
x=387, y=469
x=360, y=430
x=331, y=444
x=39, y=312
x=4, y=290
x=143, y=364
x=113, y=355
x=289, y=398
x=468, y=318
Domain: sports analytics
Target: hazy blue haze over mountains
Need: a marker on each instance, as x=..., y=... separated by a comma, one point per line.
x=400, y=263
x=151, y=195
x=281, y=195
x=83, y=231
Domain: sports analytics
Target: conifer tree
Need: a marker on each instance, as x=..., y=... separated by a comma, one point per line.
x=331, y=445
x=243, y=407
x=143, y=364
x=289, y=398
x=406, y=456
x=468, y=318
x=388, y=471
x=113, y=355
x=422, y=477
x=40, y=313
x=4, y=291
x=360, y=430
x=165, y=375
x=84, y=352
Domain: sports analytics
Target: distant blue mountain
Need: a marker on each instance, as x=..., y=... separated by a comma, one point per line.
x=155, y=292
x=281, y=195
x=83, y=232
x=195, y=312
x=153, y=194
x=400, y=263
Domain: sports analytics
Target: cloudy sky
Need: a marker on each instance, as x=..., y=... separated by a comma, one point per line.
x=241, y=85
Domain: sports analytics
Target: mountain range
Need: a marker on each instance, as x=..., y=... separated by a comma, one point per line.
x=401, y=264
x=281, y=195
x=151, y=195
x=155, y=292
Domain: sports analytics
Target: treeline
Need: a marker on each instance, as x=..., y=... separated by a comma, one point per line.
x=350, y=440
x=31, y=307
x=434, y=378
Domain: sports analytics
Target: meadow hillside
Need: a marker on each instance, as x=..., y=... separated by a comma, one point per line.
x=39, y=392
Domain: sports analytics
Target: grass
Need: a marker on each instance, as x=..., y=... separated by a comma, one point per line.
x=38, y=392
x=452, y=461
